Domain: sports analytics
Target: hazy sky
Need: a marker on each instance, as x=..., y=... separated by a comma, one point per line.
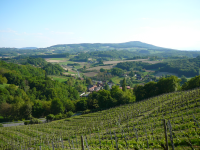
x=42, y=23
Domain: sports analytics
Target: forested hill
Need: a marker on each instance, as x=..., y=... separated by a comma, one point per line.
x=26, y=90
x=132, y=44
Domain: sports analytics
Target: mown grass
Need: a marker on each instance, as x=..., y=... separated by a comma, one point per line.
x=59, y=78
x=117, y=79
x=58, y=58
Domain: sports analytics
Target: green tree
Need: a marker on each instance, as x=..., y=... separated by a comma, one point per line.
x=102, y=70
x=81, y=105
x=37, y=109
x=183, y=79
x=26, y=110
x=167, y=85
x=57, y=106
x=192, y=83
x=124, y=85
x=131, y=74
x=69, y=105
x=150, y=89
x=5, y=110
x=92, y=101
x=101, y=61
x=89, y=81
x=105, y=100
x=106, y=87
x=3, y=80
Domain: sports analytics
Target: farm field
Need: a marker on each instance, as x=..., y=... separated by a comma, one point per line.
x=134, y=126
x=99, y=67
x=117, y=79
x=143, y=60
x=90, y=74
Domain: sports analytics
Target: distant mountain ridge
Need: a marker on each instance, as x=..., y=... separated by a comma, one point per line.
x=130, y=44
x=28, y=48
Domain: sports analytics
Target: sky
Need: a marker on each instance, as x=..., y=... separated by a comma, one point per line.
x=43, y=23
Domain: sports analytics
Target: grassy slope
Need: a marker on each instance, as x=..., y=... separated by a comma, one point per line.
x=136, y=126
x=59, y=78
x=117, y=79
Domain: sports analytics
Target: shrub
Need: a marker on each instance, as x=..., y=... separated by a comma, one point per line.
x=1, y=125
x=69, y=114
x=50, y=117
x=26, y=122
x=35, y=121
x=87, y=111
x=58, y=116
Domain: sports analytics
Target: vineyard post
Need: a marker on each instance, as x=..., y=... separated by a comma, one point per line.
x=86, y=142
x=76, y=142
x=52, y=145
x=116, y=141
x=82, y=143
x=62, y=144
x=165, y=130
x=73, y=144
x=171, y=137
x=111, y=137
x=99, y=140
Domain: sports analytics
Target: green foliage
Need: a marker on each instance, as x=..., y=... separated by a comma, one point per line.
x=124, y=85
x=35, y=121
x=117, y=71
x=164, y=85
x=192, y=83
x=57, y=106
x=102, y=70
x=3, y=80
x=89, y=81
x=58, y=116
x=37, y=109
x=52, y=69
x=105, y=100
x=81, y=105
x=50, y=117
x=26, y=122
x=183, y=79
x=188, y=66
x=106, y=87
x=122, y=97
x=1, y=125
x=69, y=114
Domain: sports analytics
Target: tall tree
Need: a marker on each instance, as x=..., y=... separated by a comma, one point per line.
x=124, y=85
x=106, y=87
x=57, y=106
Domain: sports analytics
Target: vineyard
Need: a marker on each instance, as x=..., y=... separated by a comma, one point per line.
x=149, y=124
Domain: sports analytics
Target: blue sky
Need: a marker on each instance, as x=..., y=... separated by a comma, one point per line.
x=42, y=23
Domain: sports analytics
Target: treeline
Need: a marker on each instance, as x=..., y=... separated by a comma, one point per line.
x=106, y=99
x=107, y=55
x=63, y=55
x=150, y=89
x=186, y=67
